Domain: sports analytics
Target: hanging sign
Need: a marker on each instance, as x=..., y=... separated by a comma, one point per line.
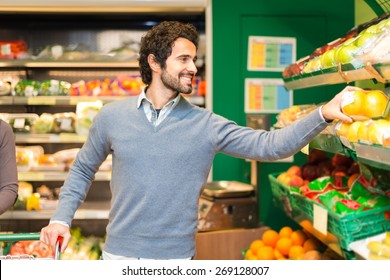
x=270, y=53
x=266, y=96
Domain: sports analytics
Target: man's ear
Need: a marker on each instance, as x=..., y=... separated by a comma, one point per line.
x=154, y=65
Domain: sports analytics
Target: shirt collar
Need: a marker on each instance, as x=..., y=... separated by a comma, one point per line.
x=143, y=97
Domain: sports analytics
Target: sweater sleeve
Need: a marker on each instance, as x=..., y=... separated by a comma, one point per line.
x=8, y=169
x=263, y=145
x=88, y=160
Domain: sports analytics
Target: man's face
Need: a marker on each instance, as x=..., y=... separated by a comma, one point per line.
x=180, y=67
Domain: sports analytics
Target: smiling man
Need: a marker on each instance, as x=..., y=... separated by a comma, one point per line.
x=162, y=150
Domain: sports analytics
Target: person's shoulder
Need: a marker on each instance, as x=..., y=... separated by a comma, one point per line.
x=5, y=126
x=186, y=103
x=121, y=104
x=5, y=129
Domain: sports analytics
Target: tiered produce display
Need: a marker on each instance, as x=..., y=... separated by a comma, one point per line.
x=355, y=196
x=342, y=194
x=362, y=45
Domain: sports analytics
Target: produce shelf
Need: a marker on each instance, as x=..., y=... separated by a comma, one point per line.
x=88, y=210
x=49, y=138
x=6, y=100
x=66, y=64
x=61, y=100
x=57, y=176
x=336, y=75
x=377, y=156
x=74, y=100
x=328, y=143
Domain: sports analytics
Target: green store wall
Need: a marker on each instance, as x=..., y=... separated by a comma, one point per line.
x=314, y=24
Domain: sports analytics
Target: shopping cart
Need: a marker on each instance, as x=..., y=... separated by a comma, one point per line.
x=12, y=239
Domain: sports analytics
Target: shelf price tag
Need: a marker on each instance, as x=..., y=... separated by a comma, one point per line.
x=47, y=100
x=320, y=219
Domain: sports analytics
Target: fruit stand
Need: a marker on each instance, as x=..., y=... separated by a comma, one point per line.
x=345, y=221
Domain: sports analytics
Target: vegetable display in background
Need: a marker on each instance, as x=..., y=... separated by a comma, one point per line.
x=54, y=88
x=86, y=112
x=27, y=88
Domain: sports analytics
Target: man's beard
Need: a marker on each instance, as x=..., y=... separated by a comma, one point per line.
x=174, y=84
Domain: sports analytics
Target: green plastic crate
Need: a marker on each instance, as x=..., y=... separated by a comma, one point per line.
x=347, y=228
x=353, y=226
x=283, y=198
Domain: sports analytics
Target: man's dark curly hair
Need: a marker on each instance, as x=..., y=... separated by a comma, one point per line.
x=159, y=41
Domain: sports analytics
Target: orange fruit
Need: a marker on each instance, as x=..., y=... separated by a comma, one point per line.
x=270, y=237
x=296, y=252
x=353, y=129
x=298, y=237
x=378, y=130
x=283, y=245
x=306, y=225
x=375, y=103
x=352, y=178
x=352, y=102
x=285, y=232
x=363, y=130
x=278, y=255
x=342, y=128
x=250, y=256
x=255, y=245
x=265, y=253
x=310, y=244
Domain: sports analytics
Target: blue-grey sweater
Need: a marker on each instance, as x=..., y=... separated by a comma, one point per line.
x=158, y=172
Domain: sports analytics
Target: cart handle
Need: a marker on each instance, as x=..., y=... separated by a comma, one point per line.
x=57, y=252
x=19, y=236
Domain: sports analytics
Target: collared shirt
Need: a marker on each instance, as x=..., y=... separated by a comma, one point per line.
x=151, y=113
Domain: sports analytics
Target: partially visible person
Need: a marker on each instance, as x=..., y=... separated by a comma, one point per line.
x=8, y=169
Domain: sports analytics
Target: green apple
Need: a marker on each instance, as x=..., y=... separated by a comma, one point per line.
x=364, y=38
x=345, y=53
x=327, y=59
x=312, y=65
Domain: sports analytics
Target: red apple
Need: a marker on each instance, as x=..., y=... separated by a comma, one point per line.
x=354, y=168
x=340, y=170
x=294, y=170
x=316, y=156
x=295, y=181
x=324, y=170
x=309, y=172
x=339, y=159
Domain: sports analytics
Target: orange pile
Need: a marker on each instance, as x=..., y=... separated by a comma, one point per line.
x=282, y=245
